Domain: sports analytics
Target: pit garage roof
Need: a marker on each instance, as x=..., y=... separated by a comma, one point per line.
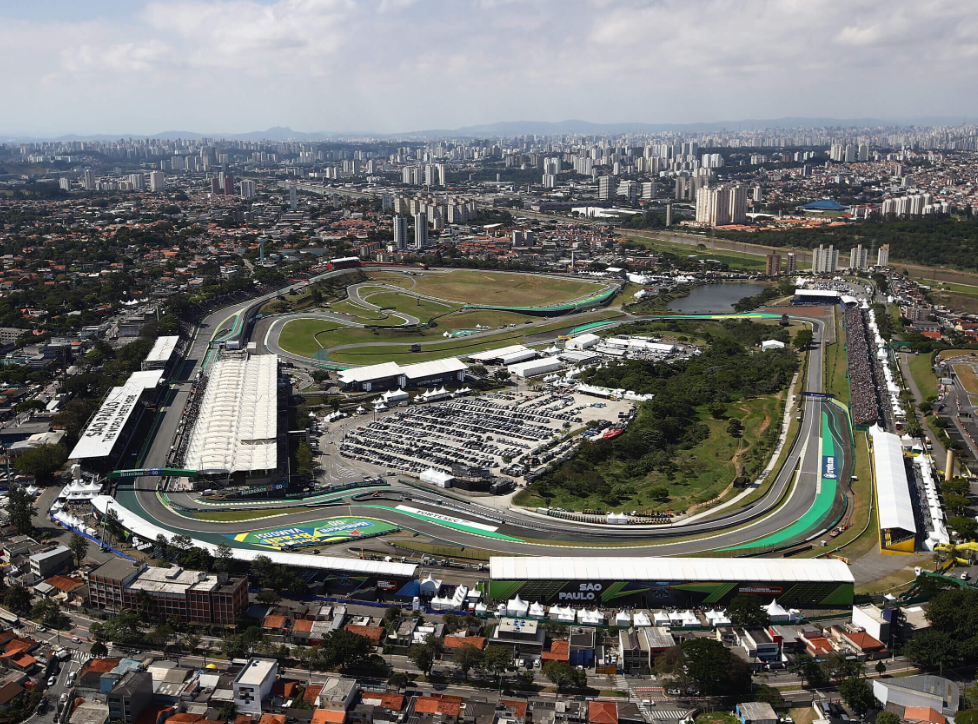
x=827, y=293
x=105, y=427
x=667, y=569
x=162, y=349
x=389, y=370
x=892, y=487
x=237, y=424
x=148, y=531
x=491, y=354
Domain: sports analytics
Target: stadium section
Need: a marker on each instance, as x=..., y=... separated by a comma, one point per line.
x=658, y=582
x=898, y=526
x=237, y=425
x=108, y=432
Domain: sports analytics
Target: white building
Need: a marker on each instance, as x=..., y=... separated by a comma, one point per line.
x=825, y=260
x=859, y=258
x=883, y=256
x=400, y=232
x=253, y=684
x=532, y=368
x=157, y=181
x=248, y=189
x=420, y=230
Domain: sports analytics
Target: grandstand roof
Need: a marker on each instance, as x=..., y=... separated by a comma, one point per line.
x=389, y=370
x=105, y=427
x=892, y=487
x=499, y=353
x=237, y=424
x=162, y=349
x=828, y=293
x=667, y=569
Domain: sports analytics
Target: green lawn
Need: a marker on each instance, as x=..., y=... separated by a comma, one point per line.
x=706, y=471
x=423, y=309
x=299, y=335
x=836, y=365
x=485, y=317
x=733, y=259
x=513, y=290
x=923, y=374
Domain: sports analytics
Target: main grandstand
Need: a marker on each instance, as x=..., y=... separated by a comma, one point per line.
x=659, y=582
x=236, y=429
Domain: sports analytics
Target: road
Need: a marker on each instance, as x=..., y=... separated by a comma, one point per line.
x=711, y=532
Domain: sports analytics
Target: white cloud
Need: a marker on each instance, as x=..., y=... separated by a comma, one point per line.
x=235, y=65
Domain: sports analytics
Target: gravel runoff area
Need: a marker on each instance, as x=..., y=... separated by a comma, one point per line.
x=479, y=431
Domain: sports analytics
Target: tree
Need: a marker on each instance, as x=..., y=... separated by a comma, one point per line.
x=880, y=668
x=965, y=527
x=561, y=674
x=717, y=410
x=501, y=374
x=769, y=695
x=398, y=680
x=956, y=503
x=888, y=717
x=342, y=648
x=263, y=570
x=303, y=459
x=808, y=670
x=745, y=610
x=228, y=711
x=715, y=670
x=931, y=648
x=803, y=340
x=42, y=460
x=99, y=649
x=734, y=427
x=192, y=641
x=468, y=658
x=17, y=599
x=78, y=545
x=857, y=695
x=21, y=510
x=839, y=668
x=223, y=558
x=496, y=659
x=269, y=598
x=49, y=613
x=968, y=716
x=660, y=493
x=423, y=657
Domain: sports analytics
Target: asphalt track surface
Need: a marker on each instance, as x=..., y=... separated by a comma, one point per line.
x=726, y=529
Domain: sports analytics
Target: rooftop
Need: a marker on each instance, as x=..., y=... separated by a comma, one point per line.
x=256, y=672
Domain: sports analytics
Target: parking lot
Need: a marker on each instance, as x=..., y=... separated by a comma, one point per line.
x=506, y=432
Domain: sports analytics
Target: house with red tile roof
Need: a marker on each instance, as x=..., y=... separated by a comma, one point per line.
x=602, y=712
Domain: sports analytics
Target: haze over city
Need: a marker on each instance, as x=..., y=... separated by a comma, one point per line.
x=394, y=66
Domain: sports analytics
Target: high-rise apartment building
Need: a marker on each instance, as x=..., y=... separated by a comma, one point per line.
x=400, y=232
x=64, y=183
x=738, y=205
x=137, y=181
x=859, y=258
x=792, y=263
x=293, y=197
x=713, y=206
x=825, y=260
x=420, y=230
x=606, y=188
x=649, y=190
x=883, y=256
x=157, y=182
x=772, y=267
x=88, y=180
x=248, y=189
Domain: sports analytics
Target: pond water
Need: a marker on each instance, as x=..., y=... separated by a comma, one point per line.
x=714, y=298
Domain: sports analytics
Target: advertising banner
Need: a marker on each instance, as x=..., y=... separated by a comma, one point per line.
x=322, y=532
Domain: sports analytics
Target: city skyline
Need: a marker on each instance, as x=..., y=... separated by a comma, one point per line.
x=399, y=66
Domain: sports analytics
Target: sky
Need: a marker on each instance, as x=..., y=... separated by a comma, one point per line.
x=386, y=66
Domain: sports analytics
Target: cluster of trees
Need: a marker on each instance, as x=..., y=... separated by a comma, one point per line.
x=934, y=241
x=952, y=639
x=706, y=665
x=671, y=421
x=782, y=289
x=275, y=577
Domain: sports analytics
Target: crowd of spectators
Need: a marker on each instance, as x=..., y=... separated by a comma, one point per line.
x=862, y=388
x=189, y=419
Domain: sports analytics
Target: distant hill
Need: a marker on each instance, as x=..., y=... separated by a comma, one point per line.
x=505, y=129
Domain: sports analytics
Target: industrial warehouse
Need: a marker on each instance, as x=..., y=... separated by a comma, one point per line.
x=391, y=375
x=663, y=582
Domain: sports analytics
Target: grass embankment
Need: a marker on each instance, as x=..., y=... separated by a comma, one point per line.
x=304, y=337
x=956, y=296
x=836, y=365
x=510, y=290
x=733, y=259
x=706, y=470
x=443, y=551
x=423, y=309
x=232, y=516
x=923, y=374
x=966, y=374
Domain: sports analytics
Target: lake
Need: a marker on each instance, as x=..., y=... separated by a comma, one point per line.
x=714, y=298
